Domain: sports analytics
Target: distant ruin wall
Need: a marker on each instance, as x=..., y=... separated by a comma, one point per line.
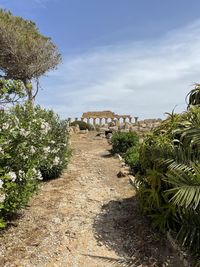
x=141, y=127
x=104, y=116
x=99, y=114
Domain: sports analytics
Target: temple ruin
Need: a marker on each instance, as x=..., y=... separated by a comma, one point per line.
x=104, y=117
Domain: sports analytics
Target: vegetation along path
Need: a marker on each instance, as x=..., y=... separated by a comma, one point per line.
x=86, y=218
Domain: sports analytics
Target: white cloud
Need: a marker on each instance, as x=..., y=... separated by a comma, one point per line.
x=143, y=79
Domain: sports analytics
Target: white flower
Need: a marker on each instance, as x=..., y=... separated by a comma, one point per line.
x=1, y=183
x=37, y=173
x=1, y=151
x=56, y=161
x=53, y=142
x=13, y=176
x=32, y=150
x=23, y=132
x=45, y=127
x=2, y=198
x=46, y=149
x=39, y=176
x=7, y=142
x=34, y=170
x=21, y=174
x=5, y=126
x=55, y=150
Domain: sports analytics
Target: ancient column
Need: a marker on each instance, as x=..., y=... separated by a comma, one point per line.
x=136, y=120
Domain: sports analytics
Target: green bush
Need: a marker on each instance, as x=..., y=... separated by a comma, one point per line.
x=121, y=141
x=82, y=125
x=153, y=147
x=33, y=146
x=131, y=158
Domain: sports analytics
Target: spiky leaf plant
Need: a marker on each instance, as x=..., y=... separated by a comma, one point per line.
x=194, y=96
x=186, y=184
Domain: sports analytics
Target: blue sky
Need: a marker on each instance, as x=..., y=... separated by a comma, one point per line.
x=137, y=57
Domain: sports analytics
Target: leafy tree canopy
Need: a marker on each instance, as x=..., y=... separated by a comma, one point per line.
x=25, y=54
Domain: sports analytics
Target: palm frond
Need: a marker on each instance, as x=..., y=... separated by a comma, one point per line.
x=186, y=184
x=194, y=96
x=191, y=137
x=189, y=233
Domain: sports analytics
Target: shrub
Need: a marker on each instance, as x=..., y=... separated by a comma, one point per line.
x=131, y=158
x=121, y=141
x=33, y=145
x=168, y=185
x=82, y=125
x=153, y=147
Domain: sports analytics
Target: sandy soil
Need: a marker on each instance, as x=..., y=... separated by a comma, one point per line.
x=86, y=218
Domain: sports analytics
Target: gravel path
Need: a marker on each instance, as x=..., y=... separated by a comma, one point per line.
x=86, y=218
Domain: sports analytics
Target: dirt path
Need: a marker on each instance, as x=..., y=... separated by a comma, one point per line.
x=87, y=212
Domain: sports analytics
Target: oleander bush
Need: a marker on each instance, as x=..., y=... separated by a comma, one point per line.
x=122, y=141
x=82, y=125
x=33, y=146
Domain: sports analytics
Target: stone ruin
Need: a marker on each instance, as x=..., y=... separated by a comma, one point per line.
x=109, y=121
x=104, y=117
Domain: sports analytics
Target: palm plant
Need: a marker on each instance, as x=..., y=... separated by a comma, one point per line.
x=183, y=176
x=186, y=184
x=194, y=96
x=179, y=168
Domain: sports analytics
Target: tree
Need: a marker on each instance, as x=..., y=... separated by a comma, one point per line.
x=25, y=54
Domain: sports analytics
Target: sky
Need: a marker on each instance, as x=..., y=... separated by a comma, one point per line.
x=137, y=57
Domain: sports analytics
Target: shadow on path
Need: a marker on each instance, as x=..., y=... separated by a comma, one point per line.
x=121, y=228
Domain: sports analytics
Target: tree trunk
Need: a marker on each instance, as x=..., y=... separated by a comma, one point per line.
x=29, y=91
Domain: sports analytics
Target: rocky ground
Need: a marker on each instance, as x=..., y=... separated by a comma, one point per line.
x=87, y=218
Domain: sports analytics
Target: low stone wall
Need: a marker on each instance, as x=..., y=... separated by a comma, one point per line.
x=76, y=130
x=145, y=125
x=139, y=127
